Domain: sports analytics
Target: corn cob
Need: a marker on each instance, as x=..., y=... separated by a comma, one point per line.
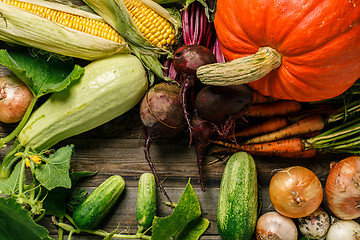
x=144, y=23
x=155, y=28
x=59, y=28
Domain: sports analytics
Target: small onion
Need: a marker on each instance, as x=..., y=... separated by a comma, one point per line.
x=15, y=98
x=316, y=225
x=273, y=225
x=295, y=192
x=344, y=230
x=343, y=188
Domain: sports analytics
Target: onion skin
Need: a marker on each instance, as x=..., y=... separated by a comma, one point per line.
x=15, y=98
x=343, y=188
x=273, y=226
x=295, y=192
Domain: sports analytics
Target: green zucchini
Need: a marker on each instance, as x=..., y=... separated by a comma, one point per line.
x=146, y=201
x=108, y=88
x=237, y=210
x=97, y=205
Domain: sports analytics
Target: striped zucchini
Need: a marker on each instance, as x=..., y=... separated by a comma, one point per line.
x=146, y=201
x=93, y=210
x=108, y=88
x=238, y=198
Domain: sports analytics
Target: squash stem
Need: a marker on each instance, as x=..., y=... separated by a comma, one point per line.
x=241, y=70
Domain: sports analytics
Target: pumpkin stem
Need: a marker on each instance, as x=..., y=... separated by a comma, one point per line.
x=241, y=70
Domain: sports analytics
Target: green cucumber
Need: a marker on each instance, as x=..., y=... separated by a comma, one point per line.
x=108, y=88
x=146, y=201
x=97, y=205
x=237, y=210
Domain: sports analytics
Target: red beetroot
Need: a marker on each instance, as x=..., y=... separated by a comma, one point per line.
x=162, y=116
x=201, y=134
x=187, y=59
x=221, y=103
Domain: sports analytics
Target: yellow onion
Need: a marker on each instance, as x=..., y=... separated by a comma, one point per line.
x=295, y=192
x=343, y=188
x=15, y=98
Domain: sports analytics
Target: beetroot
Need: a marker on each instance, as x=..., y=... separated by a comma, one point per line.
x=187, y=59
x=201, y=134
x=162, y=116
x=220, y=103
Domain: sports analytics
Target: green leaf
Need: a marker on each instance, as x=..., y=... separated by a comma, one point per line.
x=41, y=72
x=11, y=184
x=55, y=200
x=194, y=230
x=60, y=199
x=186, y=211
x=16, y=222
x=55, y=172
x=76, y=199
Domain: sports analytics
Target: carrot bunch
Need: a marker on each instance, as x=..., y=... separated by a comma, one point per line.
x=294, y=129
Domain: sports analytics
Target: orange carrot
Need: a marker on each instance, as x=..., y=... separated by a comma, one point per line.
x=302, y=154
x=310, y=134
x=309, y=124
x=267, y=126
x=259, y=98
x=278, y=108
x=280, y=146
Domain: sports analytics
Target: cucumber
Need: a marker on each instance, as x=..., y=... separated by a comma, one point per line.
x=108, y=88
x=96, y=206
x=146, y=201
x=237, y=210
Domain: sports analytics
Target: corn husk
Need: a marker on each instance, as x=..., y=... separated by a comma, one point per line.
x=24, y=28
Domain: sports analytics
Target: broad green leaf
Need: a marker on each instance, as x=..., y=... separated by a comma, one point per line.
x=60, y=199
x=187, y=210
x=194, y=230
x=41, y=72
x=17, y=224
x=55, y=172
x=11, y=184
x=55, y=200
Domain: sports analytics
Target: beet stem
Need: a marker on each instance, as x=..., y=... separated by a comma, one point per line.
x=148, y=141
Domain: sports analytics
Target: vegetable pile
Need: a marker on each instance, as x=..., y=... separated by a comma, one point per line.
x=240, y=80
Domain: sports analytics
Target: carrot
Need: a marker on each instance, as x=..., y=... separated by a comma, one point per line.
x=310, y=134
x=302, y=154
x=267, y=126
x=278, y=108
x=309, y=124
x=280, y=146
x=259, y=98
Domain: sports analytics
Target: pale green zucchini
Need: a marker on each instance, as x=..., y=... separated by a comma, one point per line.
x=238, y=198
x=108, y=88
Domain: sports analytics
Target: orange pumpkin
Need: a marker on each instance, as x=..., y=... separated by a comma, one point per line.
x=318, y=42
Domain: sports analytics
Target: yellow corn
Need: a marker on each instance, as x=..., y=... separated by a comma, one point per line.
x=156, y=29
x=79, y=23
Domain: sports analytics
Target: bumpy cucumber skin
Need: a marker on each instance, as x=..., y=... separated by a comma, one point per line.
x=108, y=88
x=238, y=198
x=146, y=201
x=97, y=205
